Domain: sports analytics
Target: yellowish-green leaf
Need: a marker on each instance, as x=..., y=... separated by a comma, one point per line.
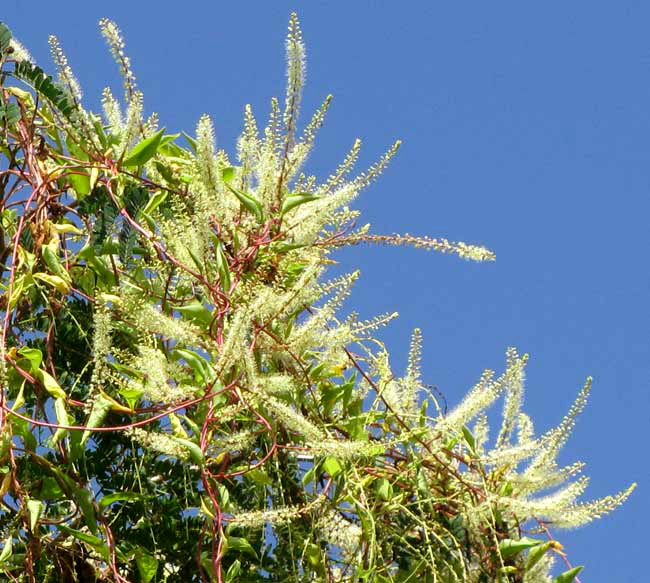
x=58, y=283
x=294, y=200
x=62, y=419
x=35, y=509
x=510, y=547
x=568, y=576
x=177, y=427
x=227, y=174
x=144, y=151
x=147, y=565
x=98, y=413
x=249, y=202
x=7, y=549
x=332, y=466
x=50, y=384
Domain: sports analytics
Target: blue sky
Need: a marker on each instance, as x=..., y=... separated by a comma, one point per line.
x=525, y=127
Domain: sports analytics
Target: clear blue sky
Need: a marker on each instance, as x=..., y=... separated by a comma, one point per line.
x=526, y=128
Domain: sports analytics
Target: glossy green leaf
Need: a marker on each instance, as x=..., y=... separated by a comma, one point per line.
x=80, y=181
x=35, y=509
x=34, y=356
x=50, y=489
x=202, y=369
x=131, y=396
x=227, y=174
x=119, y=497
x=568, y=576
x=223, y=267
x=249, y=202
x=196, y=312
x=7, y=549
x=53, y=262
x=310, y=476
x=294, y=200
x=62, y=419
x=259, y=477
x=332, y=466
x=191, y=141
x=154, y=202
x=5, y=37
x=50, y=384
x=98, y=413
x=22, y=429
x=196, y=455
x=233, y=571
x=10, y=113
x=241, y=545
x=95, y=542
x=168, y=139
x=84, y=500
x=469, y=438
x=147, y=565
x=384, y=489
x=144, y=151
x=510, y=547
x=58, y=283
x=536, y=554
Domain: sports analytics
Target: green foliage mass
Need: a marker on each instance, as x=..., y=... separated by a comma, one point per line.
x=179, y=400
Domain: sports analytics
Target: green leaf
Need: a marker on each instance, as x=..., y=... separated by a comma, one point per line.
x=223, y=267
x=119, y=497
x=469, y=438
x=53, y=262
x=154, y=202
x=58, y=283
x=203, y=371
x=294, y=200
x=98, y=413
x=509, y=547
x=249, y=202
x=98, y=544
x=7, y=549
x=22, y=429
x=536, y=554
x=50, y=384
x=196, y=312
x=147, y=565
x=259, y=477
x=227, y=174
x=62, y=419
x=5, y=37
x=233, y=571
x=196, y=455
x=131, y=396
x=85, y=501
x=168, y=139
x=332, y=466
x=568, y=576
x=10, y=113
x=35, y=508
x=310, y=476
x=384, y=489
x=50, y=489
x=144, y=151
x=34, y=355
x=80, y=182
x=45, y=85
x=191, y=141
x=241, y=545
